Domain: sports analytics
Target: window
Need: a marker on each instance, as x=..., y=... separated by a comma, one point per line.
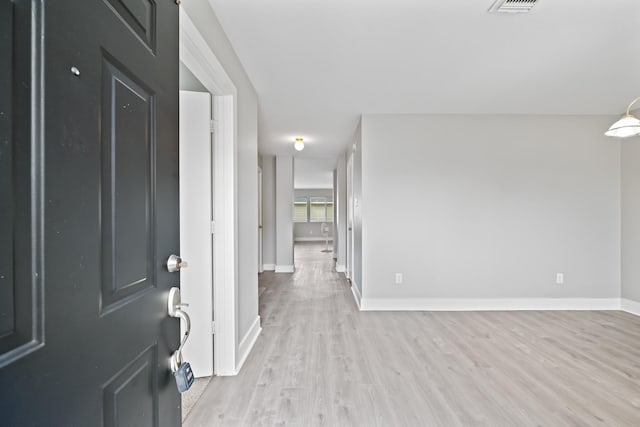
x=320, y=209
x=300, y=209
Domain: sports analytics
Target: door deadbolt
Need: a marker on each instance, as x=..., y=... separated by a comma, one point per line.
x=175, y=263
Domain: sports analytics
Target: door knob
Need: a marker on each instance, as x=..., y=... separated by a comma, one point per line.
x=175, y=263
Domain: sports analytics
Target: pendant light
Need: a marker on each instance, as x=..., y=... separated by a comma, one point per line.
x=627, y=126
x=299, y=144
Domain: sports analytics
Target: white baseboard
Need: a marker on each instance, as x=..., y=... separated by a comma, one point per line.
x=312, y=239
x=247, y=343
x=631, y=306
x=269, y=267
x=356, y=295
x=284, y=269
x=340, y=268
x=482, y=304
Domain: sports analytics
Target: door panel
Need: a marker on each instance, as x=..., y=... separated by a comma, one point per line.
x=7, y=283
x=128, y=146
x=21, y=309
x=100, y=151
x=140, y=17
x=121, y=404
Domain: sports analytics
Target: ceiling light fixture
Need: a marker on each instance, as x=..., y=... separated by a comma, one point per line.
x=299, y=145
x=627, y=126
x=512, y=6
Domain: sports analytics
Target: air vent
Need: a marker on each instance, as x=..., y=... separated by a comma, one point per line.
x=512, y=6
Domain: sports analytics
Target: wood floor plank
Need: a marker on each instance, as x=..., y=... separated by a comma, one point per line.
x=321, y=362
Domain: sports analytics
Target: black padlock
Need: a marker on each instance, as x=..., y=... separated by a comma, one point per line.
x=184, y=377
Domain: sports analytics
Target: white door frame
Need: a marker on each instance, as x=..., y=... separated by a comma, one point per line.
x=349, y=228
x=260, y=265
x=196, y=55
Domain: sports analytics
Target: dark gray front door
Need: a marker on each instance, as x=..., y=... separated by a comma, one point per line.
x=88, y=212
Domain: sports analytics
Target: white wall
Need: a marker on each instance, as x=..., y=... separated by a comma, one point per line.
x=310, y=231
x=631, y=219
x=284, y=214
x=269, y=211
x=202, y=15
x=190, y=82
x=490, y=206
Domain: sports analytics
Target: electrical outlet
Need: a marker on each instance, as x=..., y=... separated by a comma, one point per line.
x=399, y=278
x=559, y=278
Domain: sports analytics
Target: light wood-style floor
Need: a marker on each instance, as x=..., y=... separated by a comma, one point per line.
x=321, y=362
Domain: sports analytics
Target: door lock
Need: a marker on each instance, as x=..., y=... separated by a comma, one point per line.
x=175, y=263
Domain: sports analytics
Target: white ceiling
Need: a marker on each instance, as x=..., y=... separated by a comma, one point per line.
x=318, y=64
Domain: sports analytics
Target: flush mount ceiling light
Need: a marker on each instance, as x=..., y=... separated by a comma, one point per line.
x=627, y=126
x=299, y=144
x=512, y=6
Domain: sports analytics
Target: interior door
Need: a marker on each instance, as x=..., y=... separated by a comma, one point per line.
x=196, y=245
x=260, y=262
x=89, y=196
x=349, y=266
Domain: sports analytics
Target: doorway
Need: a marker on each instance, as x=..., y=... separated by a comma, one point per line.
x=350, y=243
x=260, y=228
x=196, y=216
x=196, y=239
x=208, y=213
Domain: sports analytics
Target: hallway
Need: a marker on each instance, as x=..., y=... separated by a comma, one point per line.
x=285, y=375
x=321, y=362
